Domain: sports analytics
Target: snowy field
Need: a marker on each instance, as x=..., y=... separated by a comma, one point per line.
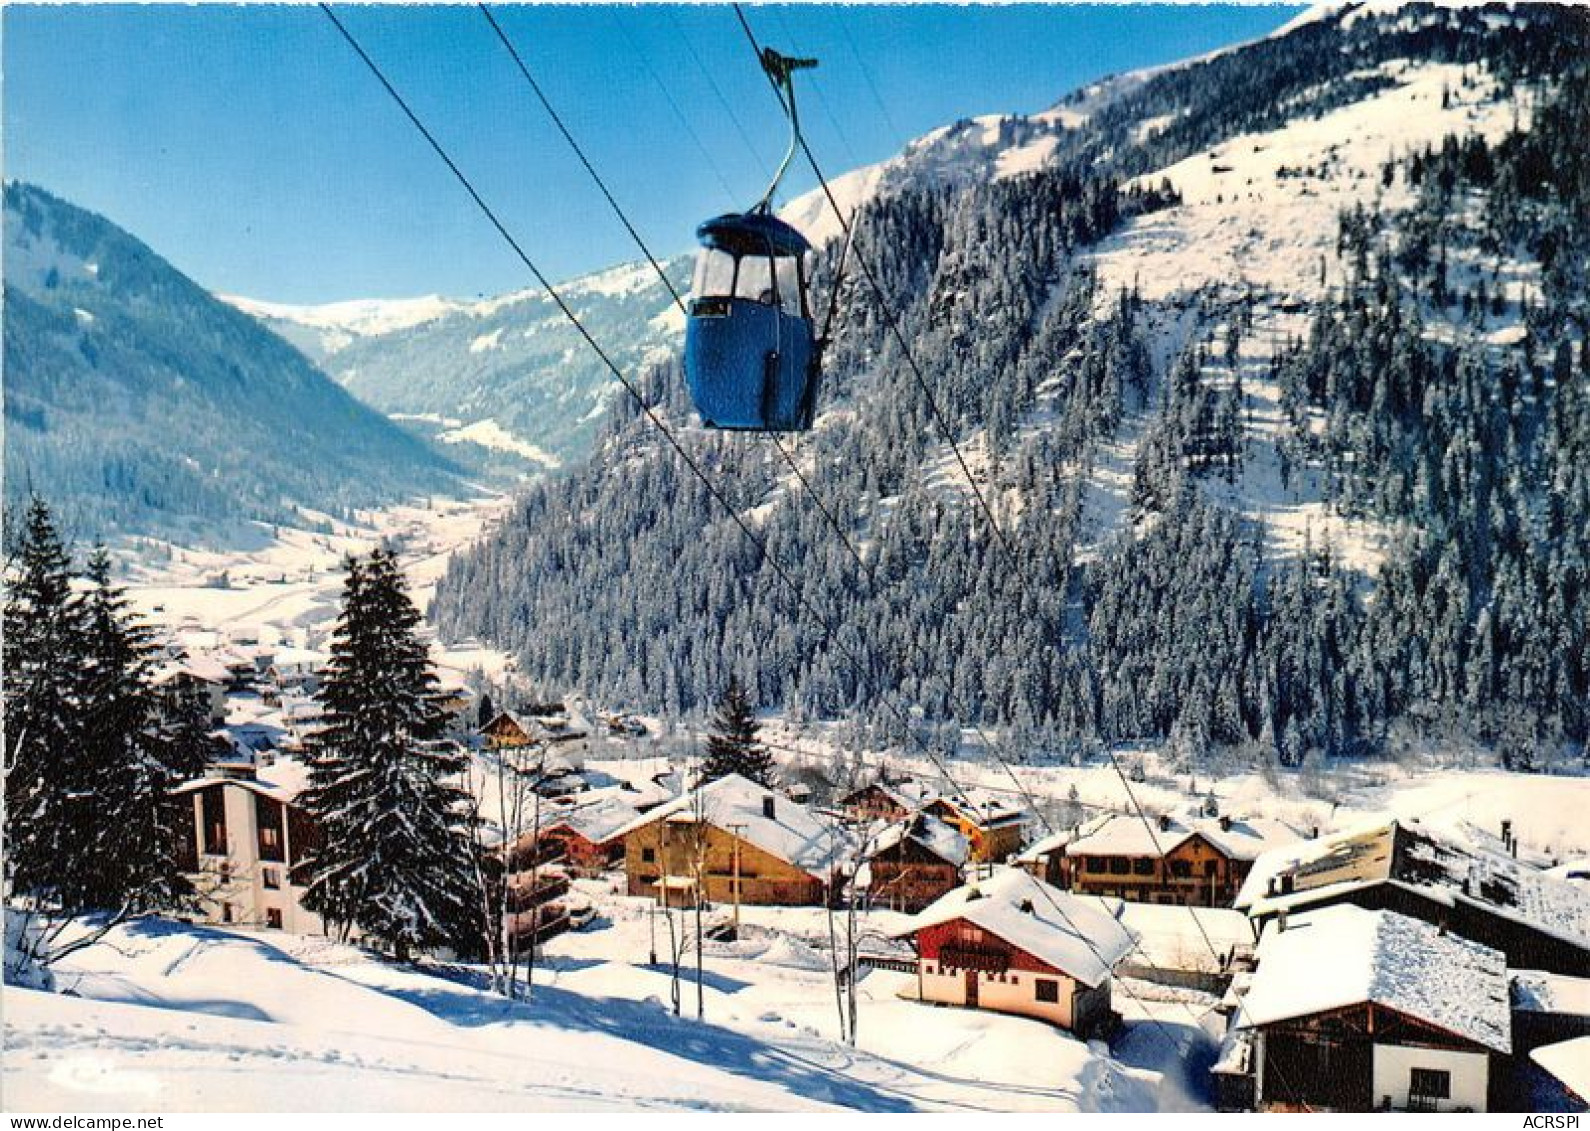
x=172, y=1017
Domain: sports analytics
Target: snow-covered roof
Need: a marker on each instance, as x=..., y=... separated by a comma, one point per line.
x=288, y=658
x=1045, y=846
x=1342, y=956
x=1539, y=991
x=931, y=833
x=646, y=782
x=794, y=833
x=984, y=808
x=597, y=821
x=1568, y=1061
x=907, y=793
x=1120, y=834
x=1068, y=933
x=206, y=669
x=1412, y=857
x=282, y=779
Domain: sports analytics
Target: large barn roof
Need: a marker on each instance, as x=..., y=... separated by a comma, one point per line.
x=1343, y=956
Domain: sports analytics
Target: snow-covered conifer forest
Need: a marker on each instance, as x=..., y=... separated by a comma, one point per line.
x=1158, y=681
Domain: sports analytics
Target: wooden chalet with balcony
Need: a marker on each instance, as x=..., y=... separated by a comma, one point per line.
x=912, y=861
x=1173, y=860
x=993, y=827
x=1538, y=921
x=1012, y=944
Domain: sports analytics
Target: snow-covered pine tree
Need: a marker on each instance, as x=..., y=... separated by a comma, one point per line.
x=42, y=707
x=88, y=818
x=128, y=782
x=732, y=747
x=384, y=783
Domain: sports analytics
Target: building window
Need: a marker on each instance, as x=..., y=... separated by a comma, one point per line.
x=272, y=878
x=268, y=818
x=1047, y=989
x=1097, y=864
x=1426, y=1086
x=213, y=808
x=226, y=912
x=1211, y=868
x=1120, y=865
x=1143, y=866
x=648, y=856
x=1181, y=869
x=273, y=918
x=971, y=935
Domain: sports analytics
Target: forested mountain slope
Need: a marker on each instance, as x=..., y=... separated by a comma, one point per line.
x=1273, y=371
x=136, y=402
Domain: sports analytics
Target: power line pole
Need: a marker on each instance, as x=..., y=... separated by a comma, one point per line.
x=734, y=831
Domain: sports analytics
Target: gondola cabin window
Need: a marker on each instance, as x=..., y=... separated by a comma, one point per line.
x=714, y=274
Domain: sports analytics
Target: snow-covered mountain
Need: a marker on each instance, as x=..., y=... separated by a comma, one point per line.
x=505, y=381
x=135, y=401
x=1216, y=343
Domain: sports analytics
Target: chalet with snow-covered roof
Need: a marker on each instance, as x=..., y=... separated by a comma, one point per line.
x=1357, y=1010
x=887, y=799
x=1012, y=944
x=246, y=843
x=296, y=670
x=1045, y=857
x=201, y=679
x=547, y=727
x=733, y=839
x=1539, y=922
x=912, y=861
x=1200, y=861
x=992, y=826
x=584, y=835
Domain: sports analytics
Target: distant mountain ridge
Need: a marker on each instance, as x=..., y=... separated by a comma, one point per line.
x=137, y=402
x=505, y=380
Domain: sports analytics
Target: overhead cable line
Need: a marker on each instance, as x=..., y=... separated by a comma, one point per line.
x=999, y=534
x=678, y=300
x=757, y=542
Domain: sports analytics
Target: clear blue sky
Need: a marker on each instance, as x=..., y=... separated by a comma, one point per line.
x=251, y=148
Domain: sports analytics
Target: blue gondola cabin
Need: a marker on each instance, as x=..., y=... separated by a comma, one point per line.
x=750, y=351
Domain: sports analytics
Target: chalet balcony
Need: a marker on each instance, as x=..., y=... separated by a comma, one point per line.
x=526, y=891
x=984, y=959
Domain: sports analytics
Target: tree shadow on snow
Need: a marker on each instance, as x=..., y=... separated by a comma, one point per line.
x=646, y=1023
x=651, y=1025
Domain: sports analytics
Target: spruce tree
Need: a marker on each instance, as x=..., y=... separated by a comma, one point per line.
x=384, y=783
x=89, y=813
x=122, y=759
x=732, y=747
x=43, y=721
